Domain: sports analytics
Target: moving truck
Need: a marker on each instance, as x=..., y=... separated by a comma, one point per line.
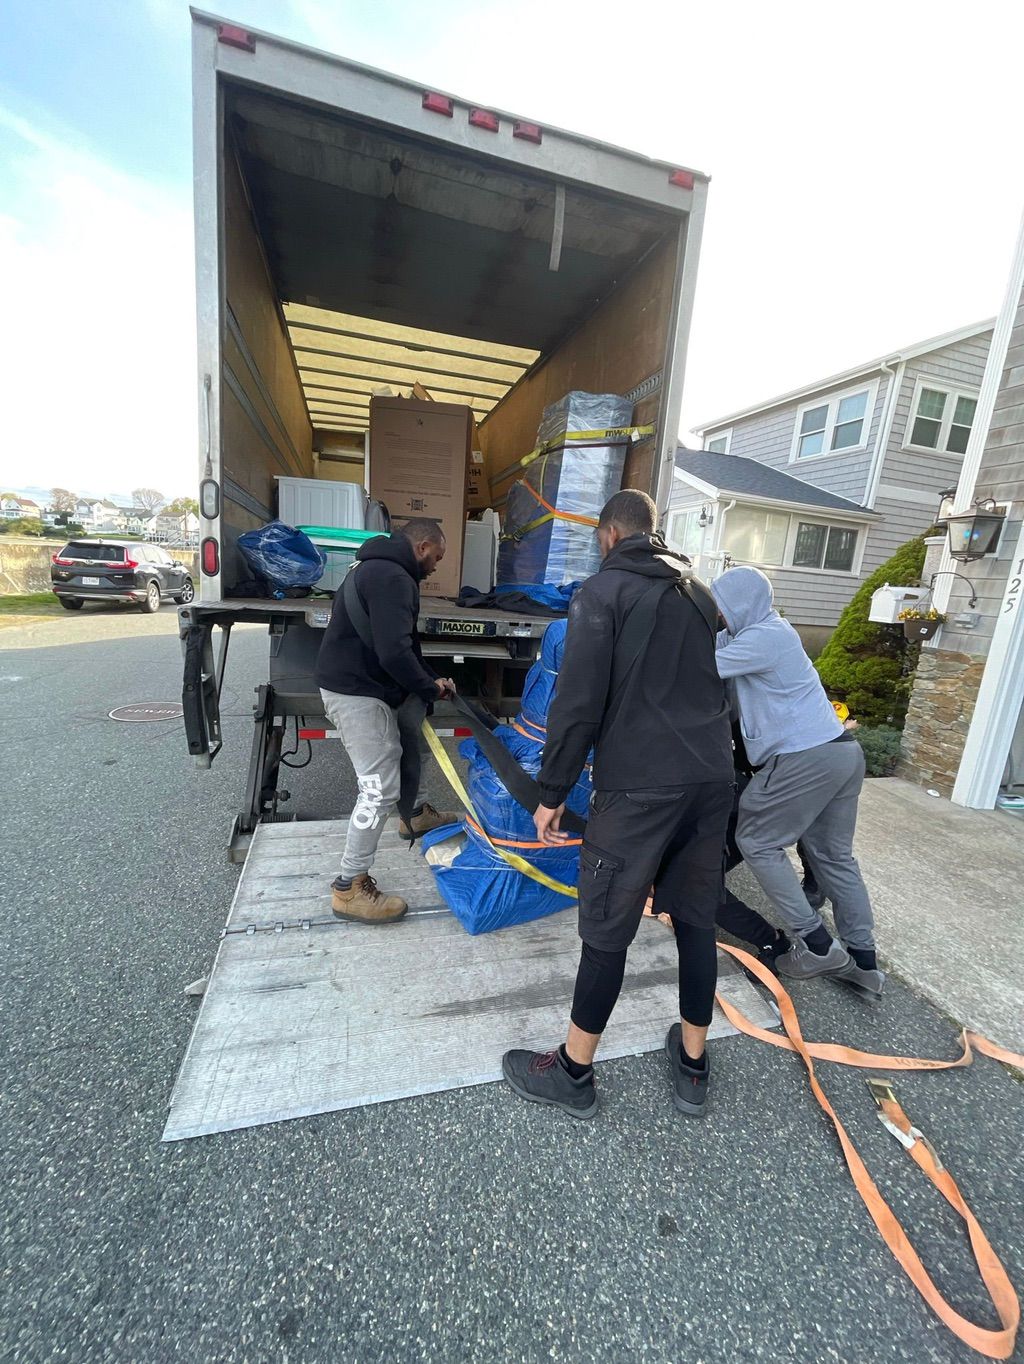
x=357, y=232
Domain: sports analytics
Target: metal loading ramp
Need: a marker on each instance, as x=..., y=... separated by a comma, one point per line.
x=305, y=1013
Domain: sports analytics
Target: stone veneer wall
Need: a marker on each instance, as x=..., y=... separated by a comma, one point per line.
x=945, y=691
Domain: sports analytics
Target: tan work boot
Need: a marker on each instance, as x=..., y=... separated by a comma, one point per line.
x=365, y=904
x=427, y=819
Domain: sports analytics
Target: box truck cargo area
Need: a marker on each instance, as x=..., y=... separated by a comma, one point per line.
x=358, y=232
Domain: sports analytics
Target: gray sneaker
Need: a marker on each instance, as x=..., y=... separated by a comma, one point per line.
x=800, y=963
x=868, y=984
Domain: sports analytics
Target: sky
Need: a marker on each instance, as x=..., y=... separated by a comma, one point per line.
x=865, y=162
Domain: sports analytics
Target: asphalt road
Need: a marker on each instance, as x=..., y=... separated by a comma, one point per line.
x=459, y=1226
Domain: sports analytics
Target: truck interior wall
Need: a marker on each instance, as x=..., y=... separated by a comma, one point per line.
x=265, y=427
x=622, y=343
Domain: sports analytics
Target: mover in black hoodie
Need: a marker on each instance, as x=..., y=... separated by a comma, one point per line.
x=376, y=698
x=663, y=794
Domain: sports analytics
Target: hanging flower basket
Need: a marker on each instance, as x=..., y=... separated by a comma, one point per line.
x=918, y=630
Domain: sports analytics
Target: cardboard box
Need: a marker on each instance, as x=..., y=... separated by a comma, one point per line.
x=478, y=489
x=419, y=456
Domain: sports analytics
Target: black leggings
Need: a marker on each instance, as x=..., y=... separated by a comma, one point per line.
x=599, y=980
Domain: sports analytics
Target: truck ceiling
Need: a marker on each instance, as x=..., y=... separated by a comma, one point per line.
x=398, y=259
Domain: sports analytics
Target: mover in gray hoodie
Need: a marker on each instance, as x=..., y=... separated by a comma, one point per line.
x=806, y=789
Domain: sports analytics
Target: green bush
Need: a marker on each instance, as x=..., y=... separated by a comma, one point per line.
x=871, y=667
x=881, y=747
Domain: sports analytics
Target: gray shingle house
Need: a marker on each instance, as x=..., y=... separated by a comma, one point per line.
x=852, y=466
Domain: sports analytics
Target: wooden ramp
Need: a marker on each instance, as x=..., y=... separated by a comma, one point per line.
x=305, y=1013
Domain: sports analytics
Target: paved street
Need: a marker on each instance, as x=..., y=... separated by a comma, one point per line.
x=459, y=1226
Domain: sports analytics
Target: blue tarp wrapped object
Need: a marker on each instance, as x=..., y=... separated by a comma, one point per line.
x=286, y=557
x=574, y=478
x=479, y=887
x=485, y=893
x=539, y=687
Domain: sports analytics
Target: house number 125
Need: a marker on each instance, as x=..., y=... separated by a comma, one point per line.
x=1013, y=591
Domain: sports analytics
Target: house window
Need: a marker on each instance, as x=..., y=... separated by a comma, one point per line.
x=719, y=445
x=839, y=423
x=942, y=419
x=755, y=536
x=831, y=548
x=685, y=532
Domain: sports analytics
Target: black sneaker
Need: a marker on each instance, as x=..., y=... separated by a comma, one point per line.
x=541, y=1078
x=691, y=1086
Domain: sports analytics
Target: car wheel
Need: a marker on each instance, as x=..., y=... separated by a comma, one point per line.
x=71, y=603
x=187, y=593
x=152, y=602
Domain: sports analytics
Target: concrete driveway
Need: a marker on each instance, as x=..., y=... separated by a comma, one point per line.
x=459, y=1226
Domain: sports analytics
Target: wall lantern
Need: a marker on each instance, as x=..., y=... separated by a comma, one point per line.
x=975, y=533
x=707, y=517
x=947, y=500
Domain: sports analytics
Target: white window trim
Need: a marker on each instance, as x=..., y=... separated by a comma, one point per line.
x=720, y=435
x=953, y=391
x=832, y=401
x=796, y=519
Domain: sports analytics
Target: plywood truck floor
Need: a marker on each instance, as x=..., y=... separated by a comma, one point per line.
x=305, y=1020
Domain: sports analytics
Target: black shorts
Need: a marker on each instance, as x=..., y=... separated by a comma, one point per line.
x=673, y=839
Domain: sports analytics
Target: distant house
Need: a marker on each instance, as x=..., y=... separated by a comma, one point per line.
x=169, y=526
x=133, y=520
x=13, y=508
x=95, y=514
x=883, y=440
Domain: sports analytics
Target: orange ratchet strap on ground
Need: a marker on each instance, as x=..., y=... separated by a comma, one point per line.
x=994, y=1344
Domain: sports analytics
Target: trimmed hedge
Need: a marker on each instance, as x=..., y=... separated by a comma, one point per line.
x=871, y=667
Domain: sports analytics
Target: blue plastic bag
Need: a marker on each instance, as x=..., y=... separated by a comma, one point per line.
x=286, y=557
x=485, y=893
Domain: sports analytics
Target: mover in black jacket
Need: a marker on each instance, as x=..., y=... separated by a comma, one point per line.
x=376, y=699
x=663, y=789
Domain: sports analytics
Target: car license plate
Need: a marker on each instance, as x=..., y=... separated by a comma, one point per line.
x=90, y=582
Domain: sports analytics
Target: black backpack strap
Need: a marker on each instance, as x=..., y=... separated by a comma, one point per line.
x=357, y=612
x=636, y=631
x=700, y=594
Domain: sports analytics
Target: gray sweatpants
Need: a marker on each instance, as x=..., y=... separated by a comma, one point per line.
x=372, y=734
x=811, y=797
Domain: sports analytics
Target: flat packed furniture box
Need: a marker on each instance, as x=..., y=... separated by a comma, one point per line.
x=419, y=455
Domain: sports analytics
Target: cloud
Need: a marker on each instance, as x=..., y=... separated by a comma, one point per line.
x=98, y=345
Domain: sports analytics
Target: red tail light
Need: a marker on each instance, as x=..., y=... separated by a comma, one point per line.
x=64, y=563
x=483, y=118
x=211, y=557
x=682, y=179
x=128, y=563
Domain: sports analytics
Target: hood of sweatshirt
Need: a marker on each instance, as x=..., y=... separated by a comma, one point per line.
x=395, y=548
x=649, y=556
x=745, y=597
